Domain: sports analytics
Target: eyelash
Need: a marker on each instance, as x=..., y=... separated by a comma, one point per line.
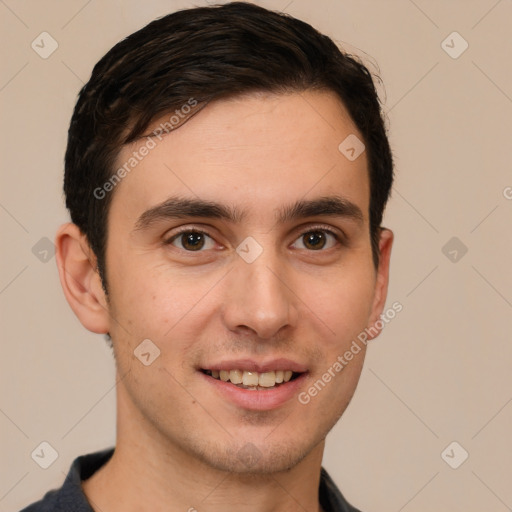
x=313, y=229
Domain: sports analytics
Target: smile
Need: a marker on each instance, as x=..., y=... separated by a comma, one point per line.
x=252, y=380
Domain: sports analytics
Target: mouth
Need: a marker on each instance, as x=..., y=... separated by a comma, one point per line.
x=249, y=384
x=252, y=380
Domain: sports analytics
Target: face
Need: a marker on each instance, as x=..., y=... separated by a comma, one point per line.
x=240, y=247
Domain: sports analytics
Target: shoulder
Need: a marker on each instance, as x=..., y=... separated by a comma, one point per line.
x=70, y=497
x=46, y=504
x=330, y=496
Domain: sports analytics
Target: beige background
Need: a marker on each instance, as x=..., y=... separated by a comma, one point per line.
x=441, y=370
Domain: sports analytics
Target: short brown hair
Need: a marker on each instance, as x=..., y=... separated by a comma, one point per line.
x=209, y=53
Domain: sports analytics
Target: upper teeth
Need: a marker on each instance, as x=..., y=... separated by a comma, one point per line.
x=265, y=379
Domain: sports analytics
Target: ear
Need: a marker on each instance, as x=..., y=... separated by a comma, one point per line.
x=80, y=279
x=381, y=283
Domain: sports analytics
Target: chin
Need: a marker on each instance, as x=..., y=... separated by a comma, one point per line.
x=255, y=458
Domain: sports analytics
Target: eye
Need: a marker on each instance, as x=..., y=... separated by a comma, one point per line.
x=192, y=240
x=316, y=240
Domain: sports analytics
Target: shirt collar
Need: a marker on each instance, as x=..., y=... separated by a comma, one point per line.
x=71, y=498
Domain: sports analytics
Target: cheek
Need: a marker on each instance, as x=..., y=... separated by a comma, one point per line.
x=152, y=302
x=343, y=302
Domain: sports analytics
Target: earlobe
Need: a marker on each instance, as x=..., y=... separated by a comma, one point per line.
x=381, y=282
x=80, y=280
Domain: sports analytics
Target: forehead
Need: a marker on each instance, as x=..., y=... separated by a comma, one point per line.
x=257, y=150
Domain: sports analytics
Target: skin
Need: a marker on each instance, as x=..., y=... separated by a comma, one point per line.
x=178, y=439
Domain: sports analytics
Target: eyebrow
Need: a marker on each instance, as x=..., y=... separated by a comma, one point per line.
x=180, y=207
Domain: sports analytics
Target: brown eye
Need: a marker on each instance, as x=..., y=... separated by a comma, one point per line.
x=316, y=240
x=192, y=241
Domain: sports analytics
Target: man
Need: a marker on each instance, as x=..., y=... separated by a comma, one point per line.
x=226, y=174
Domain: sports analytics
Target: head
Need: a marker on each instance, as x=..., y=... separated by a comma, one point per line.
x=215, y=215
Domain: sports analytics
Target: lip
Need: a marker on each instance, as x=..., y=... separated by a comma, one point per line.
x=250, y=365
x=256, y=400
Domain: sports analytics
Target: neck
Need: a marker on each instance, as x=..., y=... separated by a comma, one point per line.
x=148, y=472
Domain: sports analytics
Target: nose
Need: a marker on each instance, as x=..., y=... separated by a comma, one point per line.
x=259, y=298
